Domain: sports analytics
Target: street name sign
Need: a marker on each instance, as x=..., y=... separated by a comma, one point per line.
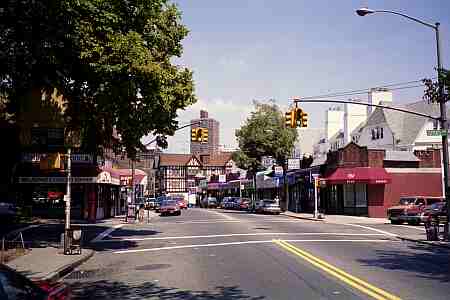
x=437, y=132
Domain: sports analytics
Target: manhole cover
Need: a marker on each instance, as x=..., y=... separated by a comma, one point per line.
x=84, y=274
x=152, y=267
x=262, y=228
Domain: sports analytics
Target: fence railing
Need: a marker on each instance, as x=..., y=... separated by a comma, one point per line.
x=11, y=247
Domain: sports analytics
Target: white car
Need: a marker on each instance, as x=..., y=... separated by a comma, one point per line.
x=268, y=206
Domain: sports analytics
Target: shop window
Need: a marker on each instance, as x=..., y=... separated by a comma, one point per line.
x=360, y=195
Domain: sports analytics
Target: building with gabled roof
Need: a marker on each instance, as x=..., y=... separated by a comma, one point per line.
x=181, y=173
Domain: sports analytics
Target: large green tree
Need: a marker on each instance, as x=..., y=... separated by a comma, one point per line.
x=264, y=134
x=111, y=60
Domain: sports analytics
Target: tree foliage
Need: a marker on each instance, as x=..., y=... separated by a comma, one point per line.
x=264, y=134
x=432, y=88
x=110, y=59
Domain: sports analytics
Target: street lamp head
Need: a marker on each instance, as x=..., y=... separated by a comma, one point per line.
x=364, y=11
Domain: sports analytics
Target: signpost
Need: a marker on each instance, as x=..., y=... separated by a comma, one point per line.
x=293, y=164
x=437, y=132
x=278, y=170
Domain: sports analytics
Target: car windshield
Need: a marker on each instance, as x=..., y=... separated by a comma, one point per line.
x=437, y=205
x=407, y=201
x=169, y=203
x=269, y=202
x=433, y=200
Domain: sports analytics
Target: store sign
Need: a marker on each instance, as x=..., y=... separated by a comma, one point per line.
x=125, y=180
x=278, y=171
x=293, y=164
x=57, y=180
x=38, y=157
x=222, y=178
x=104, y=177
x=267, y=161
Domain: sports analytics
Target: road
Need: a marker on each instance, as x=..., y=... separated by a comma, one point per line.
x=217, y=254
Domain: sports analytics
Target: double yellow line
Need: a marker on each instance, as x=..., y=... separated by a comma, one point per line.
x=351, y=280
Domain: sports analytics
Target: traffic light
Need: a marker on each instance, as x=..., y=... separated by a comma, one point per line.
x=194, y=134
x=199, y=134
x=205, y=135
x=290, y=119
x=303, y=119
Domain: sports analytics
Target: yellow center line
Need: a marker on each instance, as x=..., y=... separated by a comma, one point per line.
x=351, y=280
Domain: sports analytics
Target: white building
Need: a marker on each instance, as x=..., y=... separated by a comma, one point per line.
x=389, y=129
x=334, y=121
x=354, y=115
x=378, y=95
x=307, y=138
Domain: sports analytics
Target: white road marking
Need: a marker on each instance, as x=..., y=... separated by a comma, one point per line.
x=105, y=233
x=222, y=215
x=241, y=243
x=373, y=229
x=411, y=227
x=118, y=239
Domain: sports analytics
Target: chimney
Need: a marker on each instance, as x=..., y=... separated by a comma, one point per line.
x=203, y=114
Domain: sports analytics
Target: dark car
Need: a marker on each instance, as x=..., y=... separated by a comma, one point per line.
x=435, y=210
x=209, y=202
x=170, y=207
x=14, y=285
x=158, y=202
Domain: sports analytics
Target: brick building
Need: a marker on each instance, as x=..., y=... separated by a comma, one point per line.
x=212, y=146
x=356, y=180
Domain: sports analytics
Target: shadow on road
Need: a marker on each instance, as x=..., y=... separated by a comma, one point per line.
x=425, y=261
x=113, y=290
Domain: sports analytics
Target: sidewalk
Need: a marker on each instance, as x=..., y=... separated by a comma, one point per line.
x=419, y=237
x=338, y=219
x=48, y=263
x=44, y=258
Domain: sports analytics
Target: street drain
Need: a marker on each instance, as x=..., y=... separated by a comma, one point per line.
x=262, y=228
x=84, y=274
x=152, y=267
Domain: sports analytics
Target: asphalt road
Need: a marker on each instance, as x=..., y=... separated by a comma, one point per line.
x=216, y=254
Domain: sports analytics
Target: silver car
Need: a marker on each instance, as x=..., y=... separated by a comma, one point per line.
x=268, y=206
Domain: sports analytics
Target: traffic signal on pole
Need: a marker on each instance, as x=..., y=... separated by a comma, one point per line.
x=303, y=119
x=205, y=135
x=199, y=135
x=290, y=119
x=194, y=134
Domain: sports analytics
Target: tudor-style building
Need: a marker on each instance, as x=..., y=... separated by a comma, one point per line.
x=180, y=173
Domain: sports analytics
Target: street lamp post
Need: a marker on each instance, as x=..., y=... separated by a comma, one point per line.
x=443, y=110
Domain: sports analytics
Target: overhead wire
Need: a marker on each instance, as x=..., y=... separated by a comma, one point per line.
x=407, y=85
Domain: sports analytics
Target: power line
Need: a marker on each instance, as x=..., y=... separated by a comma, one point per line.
x=367, y=90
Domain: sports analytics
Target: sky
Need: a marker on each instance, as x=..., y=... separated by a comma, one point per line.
x=245, y=50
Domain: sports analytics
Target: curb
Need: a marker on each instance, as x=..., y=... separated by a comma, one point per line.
x=430, y=243
x=304, y=218
x=64, y=270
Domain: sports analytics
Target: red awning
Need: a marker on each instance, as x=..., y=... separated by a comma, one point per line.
x=358, y=175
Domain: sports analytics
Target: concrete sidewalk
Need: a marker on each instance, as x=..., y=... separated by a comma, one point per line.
x=44, y=258
x=338, y=219
x=48, y=263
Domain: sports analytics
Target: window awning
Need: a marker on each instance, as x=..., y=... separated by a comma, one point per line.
x=358, y=175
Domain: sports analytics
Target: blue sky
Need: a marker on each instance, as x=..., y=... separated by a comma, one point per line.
x=242, y=50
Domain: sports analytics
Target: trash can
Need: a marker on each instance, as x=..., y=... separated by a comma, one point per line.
x=432, y=229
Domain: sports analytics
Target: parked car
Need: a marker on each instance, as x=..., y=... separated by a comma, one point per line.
x=268, y=206
x=410, y=209
x=14, y=285
x=150, y=203
x=209, y=202
x=245, y=204
x=181, y=203
x=8, y=212
x=435, y=210
x=224, y=202
x=170, y=207
x=158, y=202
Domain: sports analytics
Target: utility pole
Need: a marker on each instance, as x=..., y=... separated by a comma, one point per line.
x=67, y=198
